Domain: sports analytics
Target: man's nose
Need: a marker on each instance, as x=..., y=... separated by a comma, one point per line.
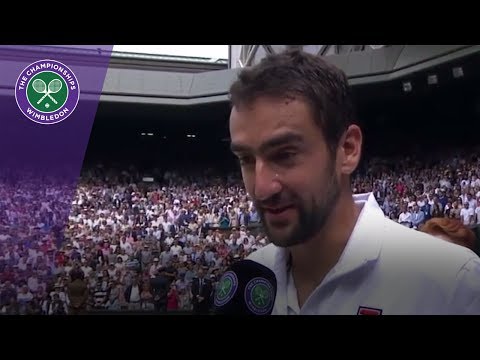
x=267, y=182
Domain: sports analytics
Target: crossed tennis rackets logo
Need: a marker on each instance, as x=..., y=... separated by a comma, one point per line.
x=54, y=86
x=47, y=91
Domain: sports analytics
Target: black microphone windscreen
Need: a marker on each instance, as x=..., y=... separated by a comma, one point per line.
x=247, y=288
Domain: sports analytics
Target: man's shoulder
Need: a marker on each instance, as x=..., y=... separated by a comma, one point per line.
x=400, y=235
x=445, y=273
x=422, y=250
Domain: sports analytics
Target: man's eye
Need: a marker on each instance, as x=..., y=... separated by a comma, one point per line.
x=246, y=160
x=284, y=157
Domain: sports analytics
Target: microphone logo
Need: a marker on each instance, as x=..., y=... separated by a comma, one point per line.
x=226, y=288
x=259, y=296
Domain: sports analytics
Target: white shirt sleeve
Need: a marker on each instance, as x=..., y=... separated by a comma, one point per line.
x=466, y=295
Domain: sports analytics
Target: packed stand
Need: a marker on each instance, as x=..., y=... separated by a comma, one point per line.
x=412, y=191
x=161, y=246
x=33, y=213
x=142, y=246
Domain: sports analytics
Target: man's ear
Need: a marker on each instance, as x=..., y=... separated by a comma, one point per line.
x=350, y=149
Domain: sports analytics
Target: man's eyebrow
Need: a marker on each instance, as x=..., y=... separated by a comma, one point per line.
x=289, y=138
x=238, y=148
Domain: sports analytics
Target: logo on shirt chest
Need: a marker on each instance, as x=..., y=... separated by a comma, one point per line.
x=364, y=310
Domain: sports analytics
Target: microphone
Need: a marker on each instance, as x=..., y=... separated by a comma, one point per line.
x=247, y=288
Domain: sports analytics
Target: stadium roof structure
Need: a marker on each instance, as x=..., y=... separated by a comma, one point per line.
x=180, y=81
x=124, y=54
x=128, y=60
x=157, y=57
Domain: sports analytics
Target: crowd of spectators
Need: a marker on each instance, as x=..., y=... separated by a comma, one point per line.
x=411, y=191
x=138, y=244
x=161, y=245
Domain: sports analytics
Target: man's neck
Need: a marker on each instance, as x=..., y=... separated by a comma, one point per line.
x=312, y=261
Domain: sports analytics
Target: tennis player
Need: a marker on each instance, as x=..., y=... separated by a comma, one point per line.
x=293, y=129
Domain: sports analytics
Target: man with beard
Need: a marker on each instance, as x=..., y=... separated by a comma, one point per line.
x=293, y=129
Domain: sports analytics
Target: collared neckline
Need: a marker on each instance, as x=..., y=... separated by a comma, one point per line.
x=364, y=244
x=363, y=247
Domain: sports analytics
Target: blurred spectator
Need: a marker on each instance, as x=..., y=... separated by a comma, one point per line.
x=77, y=291
x=172, y=298
x=57, y=306
x=132, y=295
x=418, y=216
x=467, y=214
x=201, y=293
x=160, y=284
x=146, y=298
x=451, y=230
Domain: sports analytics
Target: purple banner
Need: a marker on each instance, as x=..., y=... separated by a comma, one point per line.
x=48, y=99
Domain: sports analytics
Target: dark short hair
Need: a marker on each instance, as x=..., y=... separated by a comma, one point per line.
x=76, y=274
x=294, y=73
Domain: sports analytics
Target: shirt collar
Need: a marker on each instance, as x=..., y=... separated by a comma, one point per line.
x=364, y=243
x=362, y=248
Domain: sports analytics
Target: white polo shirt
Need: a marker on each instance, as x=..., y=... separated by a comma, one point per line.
x=386, y=268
